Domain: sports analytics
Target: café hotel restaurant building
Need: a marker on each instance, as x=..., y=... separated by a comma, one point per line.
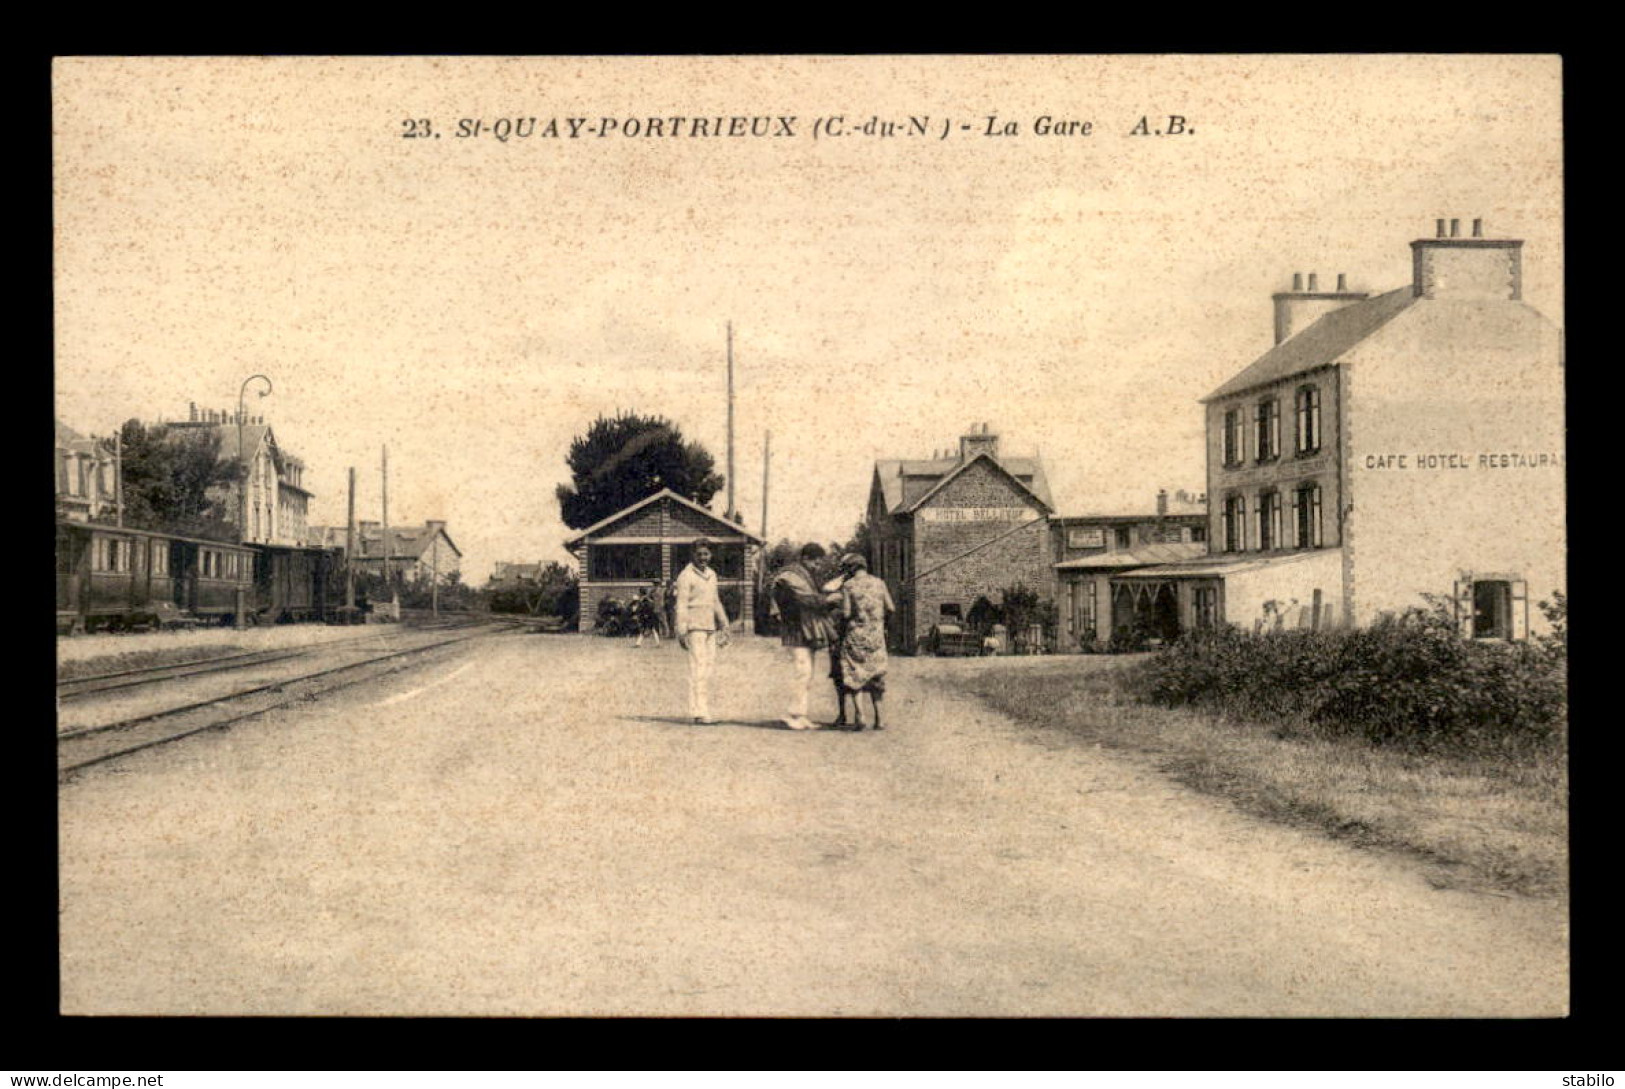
x=1388, y=446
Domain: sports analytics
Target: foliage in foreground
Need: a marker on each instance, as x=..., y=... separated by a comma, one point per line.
x=1409, y=681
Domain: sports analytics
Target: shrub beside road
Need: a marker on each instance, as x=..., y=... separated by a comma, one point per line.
x=1401, y=736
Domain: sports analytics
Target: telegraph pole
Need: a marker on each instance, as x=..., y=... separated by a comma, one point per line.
x=731, y=421
x=387, y=585
x=349, y=552
x=118, y=474
x=767, y=459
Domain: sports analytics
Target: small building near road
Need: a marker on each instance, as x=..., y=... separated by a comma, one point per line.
x=950, y=529
x=1089, y=549
x=652, y=540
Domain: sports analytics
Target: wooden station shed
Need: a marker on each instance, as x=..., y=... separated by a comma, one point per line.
x=652, y=541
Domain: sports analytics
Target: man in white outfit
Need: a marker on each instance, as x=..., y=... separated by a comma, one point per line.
x=702, y=627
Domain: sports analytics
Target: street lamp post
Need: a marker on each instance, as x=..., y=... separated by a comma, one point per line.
x=242, y=506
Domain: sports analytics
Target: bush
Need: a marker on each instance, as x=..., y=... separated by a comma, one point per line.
x=1407, y=680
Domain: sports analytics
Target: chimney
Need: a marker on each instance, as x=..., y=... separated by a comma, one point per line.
x=1475, y=269
x=1440, y=222
x=1297, y=309
x=978, y=440
x=192, y=407
x=1162, y=502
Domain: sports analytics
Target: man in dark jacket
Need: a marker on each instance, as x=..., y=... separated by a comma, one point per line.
x=803, y=614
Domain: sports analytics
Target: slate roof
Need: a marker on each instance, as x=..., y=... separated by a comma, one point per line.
x=734, y=530
x=405, y=542
x=1323, y=343
x=896, y=473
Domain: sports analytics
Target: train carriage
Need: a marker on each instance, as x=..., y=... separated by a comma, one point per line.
x=294, y=584
x=119, y=577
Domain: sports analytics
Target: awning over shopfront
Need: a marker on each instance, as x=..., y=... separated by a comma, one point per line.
x=1143, y=556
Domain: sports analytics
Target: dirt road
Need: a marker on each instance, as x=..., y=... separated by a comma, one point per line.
x=532, y=827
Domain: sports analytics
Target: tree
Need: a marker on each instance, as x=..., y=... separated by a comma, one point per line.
x=628, y=457
x=176, y=482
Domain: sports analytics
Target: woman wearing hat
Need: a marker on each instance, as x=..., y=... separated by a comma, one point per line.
x=866, y=605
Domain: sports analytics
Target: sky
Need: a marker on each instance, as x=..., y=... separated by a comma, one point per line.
x=474, y=303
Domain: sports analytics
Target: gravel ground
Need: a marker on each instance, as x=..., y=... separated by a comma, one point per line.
x=78, y=648
x=531, y=827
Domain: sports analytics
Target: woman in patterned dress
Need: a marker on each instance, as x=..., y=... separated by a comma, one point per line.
x=866, y=604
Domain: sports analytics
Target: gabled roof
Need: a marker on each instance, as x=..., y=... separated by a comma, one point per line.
x=405, y=542
x=894, y=473
x=1323, y=343
x=663, y=493
x=69, y=439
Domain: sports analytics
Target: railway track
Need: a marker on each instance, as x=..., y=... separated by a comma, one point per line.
x=87, y=746
x=79, y=687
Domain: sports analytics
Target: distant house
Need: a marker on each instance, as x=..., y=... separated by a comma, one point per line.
x=415, y=553
x=278, y=502
x=652, y=540
x=514, y=576
x=85, y=484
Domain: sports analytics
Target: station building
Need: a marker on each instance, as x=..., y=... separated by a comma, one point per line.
x=947, y=530
x=653, y=540
x=1387, y=447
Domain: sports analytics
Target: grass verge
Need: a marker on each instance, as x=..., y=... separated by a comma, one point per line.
x=1489, y=824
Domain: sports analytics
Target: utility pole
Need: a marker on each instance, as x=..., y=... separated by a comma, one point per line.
x=349, y=552
x=767, y=459
x=434, y=579
x=731, y=511
x=118, y=474
x=387, y=584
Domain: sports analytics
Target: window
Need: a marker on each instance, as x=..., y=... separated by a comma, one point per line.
x=1205, y=603
x=1269, y=521
x=1235, y=523
x=1234, y=438
x=1199, y=534
x=110, y=554
x=949, y=613
x=1268, y=421
x=628, y=562
x=1309, y=419
x=1306, y=516
x=1125, y=537
x=160, y=557
x=1492, y=610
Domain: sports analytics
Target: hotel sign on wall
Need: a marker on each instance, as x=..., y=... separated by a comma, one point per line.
x=1486, y=460
x=978, y=514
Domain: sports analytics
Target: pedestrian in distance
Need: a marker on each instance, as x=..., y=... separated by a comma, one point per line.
x=657, y=601
x=702, y=627
x=645, y=618
x=866, y=605
x=803, y=612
